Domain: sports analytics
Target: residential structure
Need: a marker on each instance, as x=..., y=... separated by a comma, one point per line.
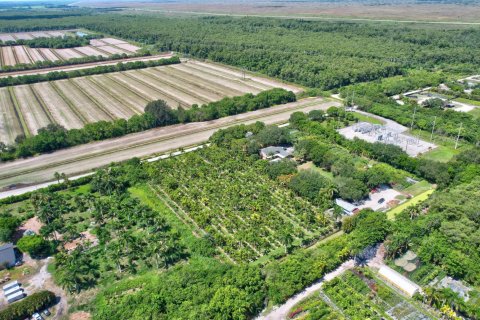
x=272, y=153
x=347, y=207
x=7, y=255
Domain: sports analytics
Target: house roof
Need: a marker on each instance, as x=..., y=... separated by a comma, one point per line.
x=345, y=205
x=6, y=246
x=283, y=152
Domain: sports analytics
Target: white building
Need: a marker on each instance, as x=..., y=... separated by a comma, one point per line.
x=347, y=207
x=396, y=279
x=276, y=152
x=7, y=255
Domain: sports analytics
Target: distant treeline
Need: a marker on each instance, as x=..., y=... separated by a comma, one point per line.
x=55, y=137
x=58, y=75
x=317, y=54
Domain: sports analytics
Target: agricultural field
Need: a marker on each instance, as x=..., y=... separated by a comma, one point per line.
x=358, y=294
x=13, y=55
x=223, y=196
x=72, y=103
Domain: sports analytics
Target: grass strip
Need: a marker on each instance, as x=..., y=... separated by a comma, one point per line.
x=415, y=200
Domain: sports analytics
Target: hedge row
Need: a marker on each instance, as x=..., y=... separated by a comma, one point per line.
x=26, y=307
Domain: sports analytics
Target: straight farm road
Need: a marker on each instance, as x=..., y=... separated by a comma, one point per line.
x=84, y=158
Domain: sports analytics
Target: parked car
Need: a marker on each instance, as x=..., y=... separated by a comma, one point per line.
x=37, y=316
x=47, y=312
x=382, y=200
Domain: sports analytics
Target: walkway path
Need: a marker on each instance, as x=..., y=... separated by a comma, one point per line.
x=281, y=312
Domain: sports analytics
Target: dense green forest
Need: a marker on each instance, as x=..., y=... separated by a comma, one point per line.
x=321, y=54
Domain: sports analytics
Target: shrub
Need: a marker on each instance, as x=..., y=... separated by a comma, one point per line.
x=35, y=245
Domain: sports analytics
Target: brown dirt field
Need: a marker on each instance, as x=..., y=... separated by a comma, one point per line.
x=83, y=65
x=128, y=47
x=203, y=74
x=10, y=126
x=113, y=41
x=58, y=108
x=6, y=37
x=35, y=117
x=202, y=92
x=48, y=54
x=90, y=51
x=399, y=11
x=112, y=49
x=89, y=110
x=67, y=54
x=97, y=43
x=169, y=90
x=22, y=55
x=35, y=54
x=141, y=89
x=31, y=224
x=108, y=102
x=128, y=97
x=189, y=77
x=8, y=57
x=23, y=36
x=85, y=237
x=80, y=315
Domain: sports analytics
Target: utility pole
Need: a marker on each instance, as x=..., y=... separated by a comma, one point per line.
x=458, y=136
x=413, y=118
x=433, y=128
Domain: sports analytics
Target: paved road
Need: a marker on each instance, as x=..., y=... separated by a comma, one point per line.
x=84, y=158
x=281, y=312
x=84, y=65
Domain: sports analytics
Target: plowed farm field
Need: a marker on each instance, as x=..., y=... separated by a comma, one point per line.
x=13, y=55
x=72, y=103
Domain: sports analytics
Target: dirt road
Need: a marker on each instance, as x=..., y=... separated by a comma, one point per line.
x=84, y=65
x=84, y=158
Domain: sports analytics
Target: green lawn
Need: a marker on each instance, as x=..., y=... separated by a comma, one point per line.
x=310, y=165
x=418, y=188
x=441, y=154
x=475, y=112
x=468, y=101
x=362, y=117
x=421, y=197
